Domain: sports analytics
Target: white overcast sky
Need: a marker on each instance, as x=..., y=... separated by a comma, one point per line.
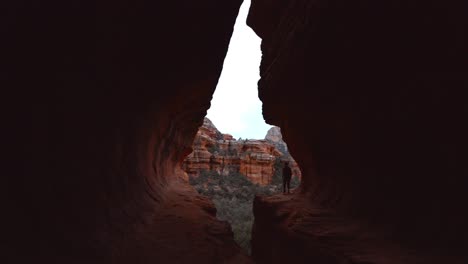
x=235, y=107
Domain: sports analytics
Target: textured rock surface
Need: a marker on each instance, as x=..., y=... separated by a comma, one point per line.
x=105, y=100
x=102, y=102
x=219, y=152
x=375, y=116
x=274, y=136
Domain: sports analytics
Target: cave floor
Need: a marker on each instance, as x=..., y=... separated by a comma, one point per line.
x=315, y=233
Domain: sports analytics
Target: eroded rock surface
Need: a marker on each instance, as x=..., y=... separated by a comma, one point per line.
x=214, y=151
x=187, y=232
x=102, y=102
x=109, y=97
x=375, y=117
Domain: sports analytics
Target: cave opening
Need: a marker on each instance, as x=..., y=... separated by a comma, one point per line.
x=104, y=102
x=247, y=158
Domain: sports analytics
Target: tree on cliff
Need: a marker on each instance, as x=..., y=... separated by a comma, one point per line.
x=277, y=178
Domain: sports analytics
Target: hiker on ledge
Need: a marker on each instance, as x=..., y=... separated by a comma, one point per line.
x=286, y=176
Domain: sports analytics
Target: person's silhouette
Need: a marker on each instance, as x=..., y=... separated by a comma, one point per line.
x=287, y=173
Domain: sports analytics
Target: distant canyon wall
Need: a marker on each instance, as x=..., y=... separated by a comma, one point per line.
x=255, y=158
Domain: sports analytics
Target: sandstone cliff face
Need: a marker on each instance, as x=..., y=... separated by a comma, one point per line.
x=255, y=159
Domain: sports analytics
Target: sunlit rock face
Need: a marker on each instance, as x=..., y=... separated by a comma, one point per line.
x=257, y=161
x=370, y=97
x=219, y=152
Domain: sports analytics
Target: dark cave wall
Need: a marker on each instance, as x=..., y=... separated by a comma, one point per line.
x=104, y=102
x=375, y=115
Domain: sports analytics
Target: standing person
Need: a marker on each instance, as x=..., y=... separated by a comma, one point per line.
x=287, y=173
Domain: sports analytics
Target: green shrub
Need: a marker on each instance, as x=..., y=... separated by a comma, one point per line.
x=278, y=174
x=213, y=148
x=234, y=198
x=295, y=182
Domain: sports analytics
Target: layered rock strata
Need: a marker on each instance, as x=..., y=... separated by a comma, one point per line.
x=214, y=151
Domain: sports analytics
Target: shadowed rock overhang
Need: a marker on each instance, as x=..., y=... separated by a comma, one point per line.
x=104, y=101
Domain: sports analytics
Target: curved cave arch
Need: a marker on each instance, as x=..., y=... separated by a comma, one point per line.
x=104, y=102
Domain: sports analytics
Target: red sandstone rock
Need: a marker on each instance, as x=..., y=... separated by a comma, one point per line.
x=371, y=98
x=228, y=137
x=109, y=97
x=102, y=103
x=253, y=158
